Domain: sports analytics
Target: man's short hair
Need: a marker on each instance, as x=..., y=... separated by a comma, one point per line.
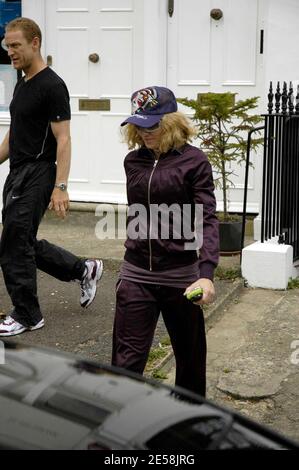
x=29, y=28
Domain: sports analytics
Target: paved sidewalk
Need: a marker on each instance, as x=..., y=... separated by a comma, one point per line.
x=253, y=358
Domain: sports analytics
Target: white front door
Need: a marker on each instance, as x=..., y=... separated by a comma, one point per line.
x=210, y=55
x=75, y=29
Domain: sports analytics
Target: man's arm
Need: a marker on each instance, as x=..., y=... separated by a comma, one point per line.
x=60, y=199
x=4, y=149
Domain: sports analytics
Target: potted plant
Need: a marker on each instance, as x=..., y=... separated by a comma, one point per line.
x=223, y=125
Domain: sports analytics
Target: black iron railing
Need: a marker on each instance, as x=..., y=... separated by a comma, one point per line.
x=280, y=193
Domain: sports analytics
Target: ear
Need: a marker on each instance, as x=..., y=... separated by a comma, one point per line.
x=36, y=42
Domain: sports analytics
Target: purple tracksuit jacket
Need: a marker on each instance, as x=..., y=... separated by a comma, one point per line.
x=182, y=177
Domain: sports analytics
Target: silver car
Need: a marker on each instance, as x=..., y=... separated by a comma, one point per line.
x=50, y=400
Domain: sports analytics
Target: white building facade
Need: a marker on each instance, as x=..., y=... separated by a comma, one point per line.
x=105, y=49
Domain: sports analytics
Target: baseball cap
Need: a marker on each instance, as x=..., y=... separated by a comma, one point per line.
x=149, y=106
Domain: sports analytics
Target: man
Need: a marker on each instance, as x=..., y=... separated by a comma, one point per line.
x=38, y=146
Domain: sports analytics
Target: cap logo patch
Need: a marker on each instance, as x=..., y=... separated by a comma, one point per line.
x=146, y=98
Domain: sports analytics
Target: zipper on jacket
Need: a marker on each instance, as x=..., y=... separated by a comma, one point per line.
x=150, y=221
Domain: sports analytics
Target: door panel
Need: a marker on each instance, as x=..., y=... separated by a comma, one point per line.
x=239, y=44
x=76, y=29
x=117, y=66
x=208, y=55
x=189, y=45
x=76, y=76
x=71, y=5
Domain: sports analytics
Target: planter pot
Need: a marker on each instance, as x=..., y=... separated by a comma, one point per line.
x=230, y=234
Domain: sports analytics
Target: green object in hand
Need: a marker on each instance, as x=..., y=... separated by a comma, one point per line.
x=195, y=294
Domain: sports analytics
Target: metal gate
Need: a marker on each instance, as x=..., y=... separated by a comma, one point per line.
x=280, y=202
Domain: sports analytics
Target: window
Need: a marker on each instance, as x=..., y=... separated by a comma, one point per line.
x=8, y=76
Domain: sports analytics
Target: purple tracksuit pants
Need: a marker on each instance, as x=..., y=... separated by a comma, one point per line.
x=138, y=306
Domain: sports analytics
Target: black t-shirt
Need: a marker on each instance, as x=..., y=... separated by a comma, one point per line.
x=36, y=103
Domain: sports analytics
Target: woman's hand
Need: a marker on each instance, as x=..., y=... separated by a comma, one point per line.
x=208, y=290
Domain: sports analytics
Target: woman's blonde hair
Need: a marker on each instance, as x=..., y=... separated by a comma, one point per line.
x=176, y=129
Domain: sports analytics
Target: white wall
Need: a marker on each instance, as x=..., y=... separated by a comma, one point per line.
x=281, y=42
x=280, y=57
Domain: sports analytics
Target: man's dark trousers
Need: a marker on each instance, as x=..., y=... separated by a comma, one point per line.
x=138, y=306
x=26, y=196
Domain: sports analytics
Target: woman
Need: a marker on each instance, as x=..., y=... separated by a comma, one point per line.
x=165, y=176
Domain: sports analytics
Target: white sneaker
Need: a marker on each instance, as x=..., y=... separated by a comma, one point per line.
x=11, y=327
x=39, y=325
x=93, y=273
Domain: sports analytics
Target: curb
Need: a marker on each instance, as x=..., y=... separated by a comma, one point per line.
x=76, y=206
x=212, y=316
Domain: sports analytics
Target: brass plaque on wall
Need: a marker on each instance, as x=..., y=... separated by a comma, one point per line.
x=94, y=105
